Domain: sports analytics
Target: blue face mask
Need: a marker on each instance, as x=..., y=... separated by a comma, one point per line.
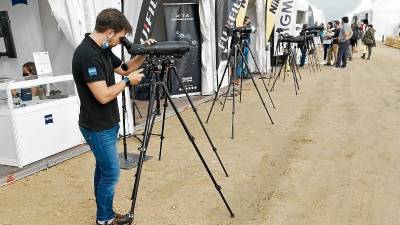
x=105, y=45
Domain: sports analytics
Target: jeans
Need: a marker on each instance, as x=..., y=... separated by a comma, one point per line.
x=303, y=57
x=103, y=146
x=242, y=66
x=342, y=54
x=326, y=49
x=369, y=48
x=332, y=52
x=350, y=52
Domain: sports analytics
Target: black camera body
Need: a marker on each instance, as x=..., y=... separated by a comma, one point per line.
x=244, y=30
x=317, y=28
x=314, y=33
x=238, y=31
x=297, y=39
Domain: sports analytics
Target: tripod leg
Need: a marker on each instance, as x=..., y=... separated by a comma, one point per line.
x=233, y=115
x=294, y=74
x=295, y=63
x=273, y=69
x=124, y=112
x=241, y=89
x=258, y=91
x=285, y=69
x=297, y=67
x=198, y=118
x=192, y=140
x=234, y=100
x=293, y=70
x=143, y=148
x=231, y=85
x=165, y=105
x=261, y=76
x=137, y=108
x=241, y=73
x=276, y=77
x=317, y=59
x=218, y=89
x=134, y=105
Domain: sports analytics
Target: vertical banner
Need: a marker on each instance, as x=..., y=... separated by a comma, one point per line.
x=271, y=7
x=221, y=16
x=285, y=20
x=146, y=21
x=242, y=13
x=182, y=23
x=227, y=20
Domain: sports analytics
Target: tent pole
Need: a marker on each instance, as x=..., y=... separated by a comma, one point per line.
x=126, y=160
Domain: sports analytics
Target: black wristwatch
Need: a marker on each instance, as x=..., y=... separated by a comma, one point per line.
x=127, y=81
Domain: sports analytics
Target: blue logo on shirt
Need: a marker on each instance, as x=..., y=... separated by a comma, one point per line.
x=48, y=119
x=14, y=2
x=92, y=71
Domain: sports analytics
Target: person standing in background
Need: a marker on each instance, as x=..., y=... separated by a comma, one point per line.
x=241, y=70
x=302, y=47
x=369, y=40
x=353, y=40
x=28, y=70
x=327, y=39
x=335, y=45
x=344, y=42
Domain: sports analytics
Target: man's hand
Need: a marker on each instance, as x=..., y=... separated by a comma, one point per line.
x=150, y=41
x=134, y=63
x=136, y=76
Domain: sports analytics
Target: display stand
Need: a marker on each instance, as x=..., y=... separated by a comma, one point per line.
x=33, y=130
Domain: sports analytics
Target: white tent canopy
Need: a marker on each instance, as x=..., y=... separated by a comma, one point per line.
x=384, y=15
x=312, y=13
x=302, y=5
x=318, y=15
x=77, y=17
x=365, y=5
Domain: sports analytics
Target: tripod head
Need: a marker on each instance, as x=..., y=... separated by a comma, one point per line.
x=156, y=64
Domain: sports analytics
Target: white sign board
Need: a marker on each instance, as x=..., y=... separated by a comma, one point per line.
x=285, y=19
x=42, y=63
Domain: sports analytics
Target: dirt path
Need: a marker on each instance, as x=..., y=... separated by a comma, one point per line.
x=331, y=158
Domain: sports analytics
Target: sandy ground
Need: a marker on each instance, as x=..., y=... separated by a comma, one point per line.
x=331, y=158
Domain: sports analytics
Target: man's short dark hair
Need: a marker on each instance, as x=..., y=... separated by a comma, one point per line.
x=112, y=19
x=345, y=19
x=337, y=22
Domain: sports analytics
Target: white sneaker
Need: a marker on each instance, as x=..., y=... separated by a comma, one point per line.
x=337, y=68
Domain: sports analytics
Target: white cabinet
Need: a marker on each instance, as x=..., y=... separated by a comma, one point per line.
x=38, y=128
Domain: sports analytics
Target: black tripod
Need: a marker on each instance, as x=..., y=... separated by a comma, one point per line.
x=245, y=44
x=127, y=160
x=159, y=72
x=289, y=60
x=313, y=55
x=236, y=48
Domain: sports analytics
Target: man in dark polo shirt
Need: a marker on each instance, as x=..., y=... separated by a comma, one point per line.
x=93, y=67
